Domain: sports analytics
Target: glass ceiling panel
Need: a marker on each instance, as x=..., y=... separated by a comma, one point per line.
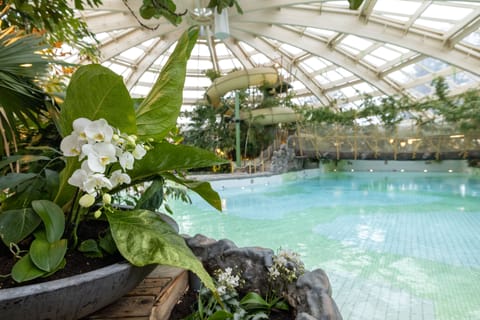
x=435, y=11
x=473, y=38
x=397, y=7
x=429, y=24
x=332, y=59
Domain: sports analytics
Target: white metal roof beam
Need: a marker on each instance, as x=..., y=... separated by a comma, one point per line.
x=148, y=59
x=131, y=39
x=464, y=28
x=417, y=14
x=286, y=62
x=238, y=53
x=401, y=64
x=342, y=22
x=367, y=9
x=320, y=49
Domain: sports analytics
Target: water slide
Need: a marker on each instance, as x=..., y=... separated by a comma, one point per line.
x=243, y=79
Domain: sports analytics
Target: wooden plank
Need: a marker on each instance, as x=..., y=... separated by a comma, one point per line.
x=169, y=297
x=150, y=286
x=154, y=298
x=126, y=307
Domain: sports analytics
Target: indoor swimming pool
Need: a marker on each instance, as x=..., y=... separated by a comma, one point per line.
x=394, y=245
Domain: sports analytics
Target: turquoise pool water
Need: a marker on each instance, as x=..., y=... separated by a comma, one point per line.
x=395, y=245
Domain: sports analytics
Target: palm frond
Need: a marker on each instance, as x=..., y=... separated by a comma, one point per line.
x=22, y=65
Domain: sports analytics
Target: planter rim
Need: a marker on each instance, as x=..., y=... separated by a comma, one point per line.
x=26, y=290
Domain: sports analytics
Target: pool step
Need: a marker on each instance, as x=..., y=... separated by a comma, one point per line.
x=153, y=299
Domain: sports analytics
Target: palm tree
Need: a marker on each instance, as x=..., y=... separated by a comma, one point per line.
x=22, y=100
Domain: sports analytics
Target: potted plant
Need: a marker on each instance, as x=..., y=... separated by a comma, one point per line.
x=108, y=145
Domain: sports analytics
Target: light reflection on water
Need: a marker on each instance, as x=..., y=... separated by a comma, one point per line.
x=401, y=234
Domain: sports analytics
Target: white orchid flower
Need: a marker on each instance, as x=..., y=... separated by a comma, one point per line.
x=118, y=178
x=126, y=160
x=99, y=131
x=79, y=126
x=78, y=178
x=99, y=155
x=71, y=145
x=139, y=152
x=96, y=181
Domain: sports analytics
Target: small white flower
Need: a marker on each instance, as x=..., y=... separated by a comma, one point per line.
x=79, y=126
x=139, y=152
x=222, y=290
x=99, y=155
x=78, y=178
x=71, y=145
x=99, y=131
x=274, y=273
x=126, y=160
x=96, y=181
x=118, y=177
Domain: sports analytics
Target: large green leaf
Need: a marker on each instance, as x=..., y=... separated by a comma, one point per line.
x=159, y=111
x=53, y=218
x=165, y=156
x=12, y=180
x=25, y=270
x=96, y=92
x=143, y=238
x=152, y=198
x=22, y=159
x=355, y=4
x=48, y=256
x=16, y=225
x=202, y=188
x=65, y=190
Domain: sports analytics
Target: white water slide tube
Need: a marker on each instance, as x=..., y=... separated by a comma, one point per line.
x=251, y=77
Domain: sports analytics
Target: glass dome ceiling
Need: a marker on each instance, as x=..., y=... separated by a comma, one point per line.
x=324, y=50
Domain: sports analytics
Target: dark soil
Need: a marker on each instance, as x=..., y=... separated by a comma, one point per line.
x=187, y=304
x=77, y=263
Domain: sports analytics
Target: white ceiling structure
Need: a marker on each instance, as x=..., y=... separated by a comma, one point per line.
x=324, y=50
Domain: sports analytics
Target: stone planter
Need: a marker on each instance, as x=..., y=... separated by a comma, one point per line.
x=310, y=295
x=73, y=297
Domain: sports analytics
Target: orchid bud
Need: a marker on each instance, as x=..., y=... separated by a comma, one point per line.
x=107, y=198
x=131, y=139
x=97, y=214
x=87, y=200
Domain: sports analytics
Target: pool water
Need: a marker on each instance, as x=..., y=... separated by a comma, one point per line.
x=394, y=245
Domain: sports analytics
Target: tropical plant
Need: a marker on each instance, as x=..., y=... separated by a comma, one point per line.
x=118, y=146
x=285, y=270
x=22, y=101
x=167, y=9
x=54, y=19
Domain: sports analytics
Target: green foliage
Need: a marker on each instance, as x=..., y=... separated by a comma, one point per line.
x=461, y=111
x=143, y=238
x=96, y=92
x=158, y=112
x=286, y=269
x=219, y=5
x=167, y=9
x=52, y=217
x=56, y=19
x=21, y=67
x=16, y=225
x=25, y=270
x=355, y=4
x=42, y=203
